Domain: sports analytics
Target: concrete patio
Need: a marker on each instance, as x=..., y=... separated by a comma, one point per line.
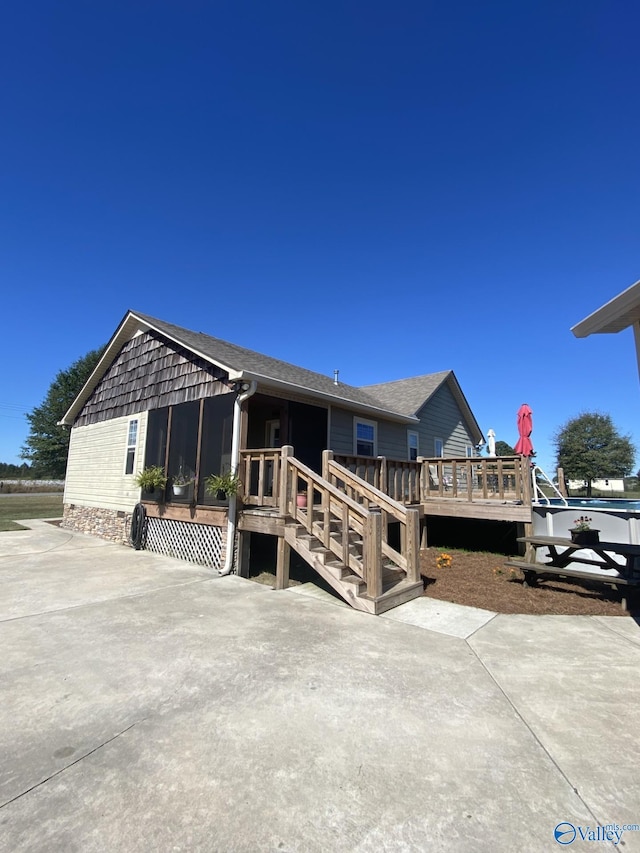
x=148, y=706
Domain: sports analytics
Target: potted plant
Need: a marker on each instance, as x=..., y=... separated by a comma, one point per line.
x=180, y=483
x=222, y=485
x=582, y=533
x=151, y=480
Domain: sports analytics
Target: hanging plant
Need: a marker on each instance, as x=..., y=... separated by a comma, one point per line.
x=222, y=484
x=151, y=478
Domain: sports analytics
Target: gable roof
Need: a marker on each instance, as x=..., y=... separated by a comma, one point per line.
x=410, y=395
x=243, y=364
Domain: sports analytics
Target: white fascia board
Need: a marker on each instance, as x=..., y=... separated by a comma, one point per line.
x=617, y=314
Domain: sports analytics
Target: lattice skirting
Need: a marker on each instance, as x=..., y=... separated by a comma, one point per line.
x=201, y=544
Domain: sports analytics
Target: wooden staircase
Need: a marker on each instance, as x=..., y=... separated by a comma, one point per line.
x=348, y=580
x=342, y=533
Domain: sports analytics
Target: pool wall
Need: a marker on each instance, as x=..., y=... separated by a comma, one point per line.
x=615, y=524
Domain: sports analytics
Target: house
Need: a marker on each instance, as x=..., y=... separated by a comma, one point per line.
x=193, y=405
x=614, y=484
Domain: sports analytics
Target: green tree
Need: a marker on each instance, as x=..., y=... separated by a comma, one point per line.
x=590, y=447
x=504, y=449
x=47, y=445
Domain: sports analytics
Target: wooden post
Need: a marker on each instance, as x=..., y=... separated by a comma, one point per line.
x=244, y=554
x=284, y=491
x=345, y=534
x=384, y=484
x=424, y=540
x=422, y=483
x=500, y=476
x=562, y=483
x=327, y=457
x=527, y=486
x=282, y=563
x=196, y=484
x=527, y=500
x=412, y=552
x=372, y=553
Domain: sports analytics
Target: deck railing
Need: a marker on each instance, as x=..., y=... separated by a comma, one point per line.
x=397, y=478
x=500, y=478
x=475, y=478
x=258, y=470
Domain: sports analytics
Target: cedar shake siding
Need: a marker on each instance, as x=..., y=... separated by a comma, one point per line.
x=150, y=372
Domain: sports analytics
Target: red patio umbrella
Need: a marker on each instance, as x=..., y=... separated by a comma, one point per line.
x=525, y=428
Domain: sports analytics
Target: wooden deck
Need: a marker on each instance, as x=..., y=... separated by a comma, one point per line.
x=342, y=521
x=493, y=489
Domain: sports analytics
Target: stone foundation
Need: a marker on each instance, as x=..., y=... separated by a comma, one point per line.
x=202, y=544
x=110, y=524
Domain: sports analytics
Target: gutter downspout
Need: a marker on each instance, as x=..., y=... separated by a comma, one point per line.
x=235, y=458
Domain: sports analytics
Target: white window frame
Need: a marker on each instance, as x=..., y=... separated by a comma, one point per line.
x=365, y=422
x=436, y=442
x=411, y=433
x=132, y=447
x=272, y=427
x=469, y=451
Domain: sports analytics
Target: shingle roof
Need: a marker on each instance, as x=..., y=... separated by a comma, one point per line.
x=256, y=365
x=407, y=395
x=398, y=400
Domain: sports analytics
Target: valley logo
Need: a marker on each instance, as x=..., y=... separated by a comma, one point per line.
x=566, y=833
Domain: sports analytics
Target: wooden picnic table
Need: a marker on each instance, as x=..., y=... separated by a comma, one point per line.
x=562, y=552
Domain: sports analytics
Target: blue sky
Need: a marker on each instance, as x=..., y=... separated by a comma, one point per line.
x=385, y=188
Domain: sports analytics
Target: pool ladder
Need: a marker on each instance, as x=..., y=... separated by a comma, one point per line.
x=538, y=495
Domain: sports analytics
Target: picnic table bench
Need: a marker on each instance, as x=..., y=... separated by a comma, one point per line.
x=563, y=552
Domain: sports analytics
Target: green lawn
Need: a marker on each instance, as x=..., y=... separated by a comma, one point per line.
x=27, y=506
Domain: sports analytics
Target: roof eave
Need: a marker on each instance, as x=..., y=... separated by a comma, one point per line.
x=332, y=399
x=130, y=323
x=133, y=322
x=617, y=314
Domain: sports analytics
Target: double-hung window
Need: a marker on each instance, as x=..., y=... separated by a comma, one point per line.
x=438, y=447
x=412, y=445
x=132, y=443
x=364, y=437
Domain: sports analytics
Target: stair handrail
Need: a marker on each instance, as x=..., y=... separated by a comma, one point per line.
x=338, y=504
x=409, y=517
x=373, y=494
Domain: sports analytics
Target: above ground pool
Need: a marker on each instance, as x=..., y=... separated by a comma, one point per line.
x=618, y=520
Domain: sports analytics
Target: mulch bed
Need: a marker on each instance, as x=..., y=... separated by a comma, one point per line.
x=481, y=580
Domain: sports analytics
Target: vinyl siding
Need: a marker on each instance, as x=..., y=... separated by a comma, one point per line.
x=441, y=418
x=341, y=431
x=95, y=470
x=392, y=437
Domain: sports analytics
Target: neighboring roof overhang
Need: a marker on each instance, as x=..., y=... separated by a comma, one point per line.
x=132, y=323
x=619, y=313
